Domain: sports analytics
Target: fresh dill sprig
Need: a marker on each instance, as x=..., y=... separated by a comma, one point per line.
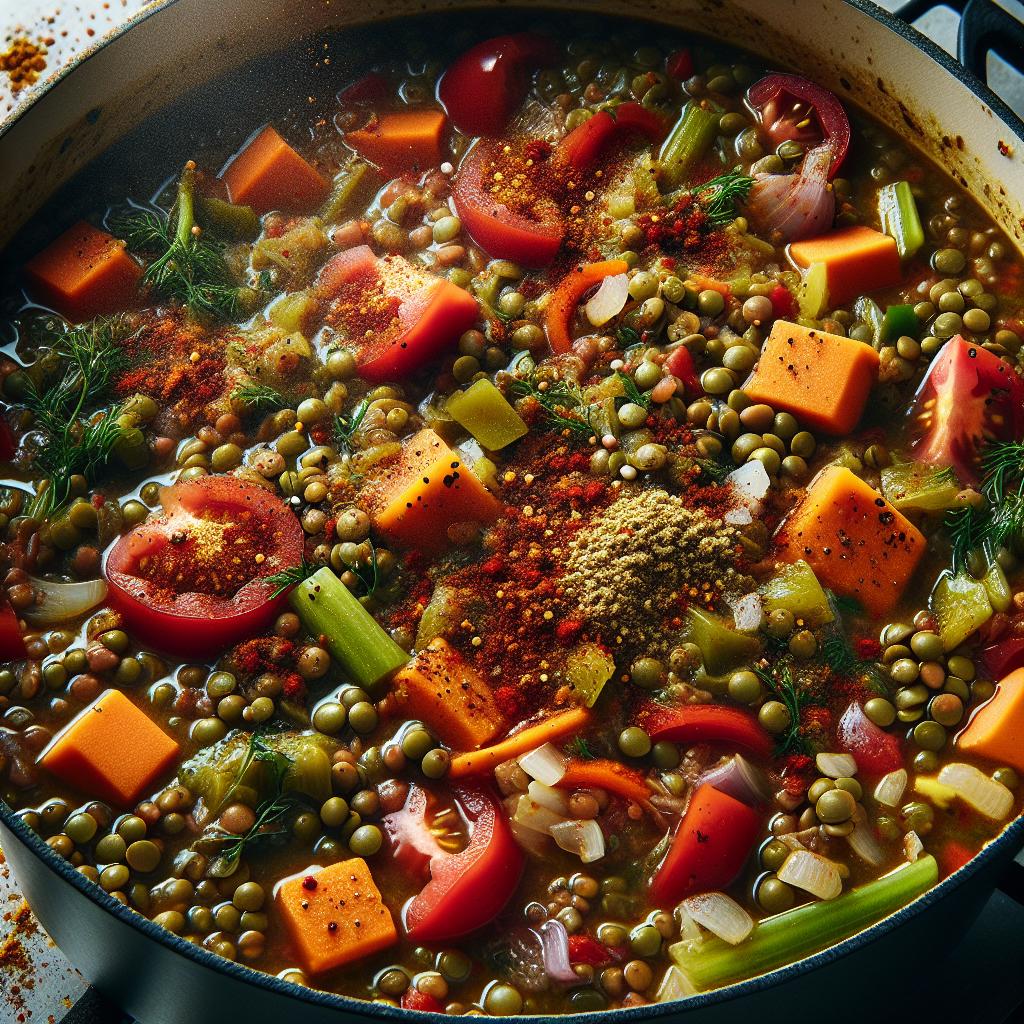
x=580, y=748
x=783, y=688
x=714, y=470
x=627, y=337
x=633, y=393
x=559, y=400
x=346, y=427
x=259, y=397
x=720, y=195
x=368, y=571
x=290, y=577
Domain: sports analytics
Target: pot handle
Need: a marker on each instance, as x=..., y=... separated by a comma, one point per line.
x=986, y=26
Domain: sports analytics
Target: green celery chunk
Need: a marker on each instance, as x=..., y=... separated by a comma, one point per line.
x=795, y=934
x=812, y=296
x=795, y=588
x=348, y=185
x=871, y=313
x=720, y=646
x=587, y=669
x=899, y=321
x=483, y=411
x=909, y=485
x=900, y=219
x=291, y=311
x=689, y=140
x=998, y=588
x=328, y=608
x=962, y=605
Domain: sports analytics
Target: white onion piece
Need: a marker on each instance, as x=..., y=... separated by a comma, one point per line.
x=863, y=841
x=721, y=915
x=974, y=787
x=891, y=787
x=751, y=482
x=795, y=205
x=912, y=846
x=553, y=799
x=813, y=873
x=738, y=517
x=581, y=837
x=57, y=602
x=836, y=766
x=673, y=986
x=545, y=764
x=689, y=931
x=532, y=815
x=608, y=300
x=747, y=613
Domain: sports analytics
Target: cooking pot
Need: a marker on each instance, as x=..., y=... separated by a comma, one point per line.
x=869, y=58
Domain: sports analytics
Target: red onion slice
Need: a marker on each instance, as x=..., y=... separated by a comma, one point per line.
x=739, y=779
x=797, y=205
x=554, y=940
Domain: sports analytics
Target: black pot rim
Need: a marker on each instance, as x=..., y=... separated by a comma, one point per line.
x=1012, y=836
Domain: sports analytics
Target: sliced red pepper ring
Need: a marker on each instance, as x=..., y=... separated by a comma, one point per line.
x=172, y=582
x=566, y=297
x=482, y=88
x=467, y=889
x=706, y=723
x=587, y=143
x=407, y=318
x=792, y=108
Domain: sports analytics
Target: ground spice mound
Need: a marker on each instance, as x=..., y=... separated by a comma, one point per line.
x=23, y=61
x=642, y=560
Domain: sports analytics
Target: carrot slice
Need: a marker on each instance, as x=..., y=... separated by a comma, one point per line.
x=84, y=273
x=823, y=379
x=857, y=259
x=603, y=773
x=451, y=697
x=407, y=140
x=111, y=750
x=996, y=729
x=335, y=915
x=566, y=297
x=267, y=174
x=478, y=762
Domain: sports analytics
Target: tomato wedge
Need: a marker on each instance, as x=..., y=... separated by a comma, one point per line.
x=192, y=579
x=875, y=750
x=533, y=240
x=969, y=394
x=710, y=845
x=566, y=297
x=587, y=143
x=407, y=319
x=792, y=108
x=12, y=643
x=482, y=88
x=469, y=888
x=1001, y=658
x=706, y=723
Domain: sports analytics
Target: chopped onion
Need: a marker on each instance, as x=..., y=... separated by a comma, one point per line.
x=813, y=873
x=608, y=300
x=836, y=766
x=673, y=986
x=891, y=787
x=582, y=837
x=751, y=481
x=721, y=915
x=553, y=799
x=532, y=815
x=912, y=846
x=57, y=602
x=545, y=764
x=795, y=205
x=747, y=613
x=739, y=779
x=689, y=932
x=554, y=942
x=863, y=841
x=738, y=516
x=974, y=787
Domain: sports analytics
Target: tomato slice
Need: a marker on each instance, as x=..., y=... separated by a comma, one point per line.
x=193, y=578
x=706, y=723
x=584, y=145
x=792, y=108
x=469, y=888
x=12, y=643
x=414, y=999
x=585, y=949
x=482, y=88
x=875, y=750
x=531, y=239
x=969, y=394
x=710, y=845
x=406, y=318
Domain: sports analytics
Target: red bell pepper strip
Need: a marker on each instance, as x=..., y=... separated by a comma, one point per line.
x=587, y=143
x=585, y=949
x=711, y=844
x=12, y=643
x=566, y=297
x=679, y=65
x=414, y=999
x=706, y=723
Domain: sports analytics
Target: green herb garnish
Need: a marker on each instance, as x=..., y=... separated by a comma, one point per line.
x=720, y=195
x=259, y=397
x=290, y=577
x=781, y=685
x=837, y=652
x=346, y=427
x=633, y=393
x=562, y=402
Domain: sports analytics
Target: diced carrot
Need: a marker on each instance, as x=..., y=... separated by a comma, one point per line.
x=996, y=729
x=267, y=174
x=858, y=260
x=706, y=283
x=603, y=773
x=84, y=273
x=111, y=750
x=430, y=490
x=554, y=728
x=335, y=915
x=853, y=539
x=566, y=297
x=451, y=697
x=822, y=379
x=408, y=140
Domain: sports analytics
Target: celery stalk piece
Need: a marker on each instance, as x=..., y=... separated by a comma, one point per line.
x=689, y=140
x=348, y=183
x=229, y=219
x=328, y=608
x=812, y=297
x=900, y=218
x=291, y=311
x=795, y=934
x=483, y=411
x=909, y=485
x=587, y=670
x=961, y=604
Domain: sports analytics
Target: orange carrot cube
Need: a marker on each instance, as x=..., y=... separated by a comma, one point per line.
x=858, y=260
x=335, y=915
x=269, y=175
x=84, y=273
x=822, y=379
x=111, y=750
x=440, y=689
x=407, y=140
x=853, y=539
x=996, y=729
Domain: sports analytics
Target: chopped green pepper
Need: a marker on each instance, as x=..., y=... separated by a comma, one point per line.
x=962, y=605
x=909, y=485
x=483, y=410
x=722, y=648
x=795, y=588
x=899, y=321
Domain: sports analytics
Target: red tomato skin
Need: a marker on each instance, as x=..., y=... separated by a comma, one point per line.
x=711, y=844
x=499, y=231
x=587, y=143
x=876, y=751
x=680, y=364
x=371, y=88
x=783, y=306
x=468, y=889
x=964, y=386
x=346, y=267
x=706, y=723
x=198, y=625
x=680, y=65
x=414, y=999
x=483, y=87
x=12, y=643
x=1001, y=658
